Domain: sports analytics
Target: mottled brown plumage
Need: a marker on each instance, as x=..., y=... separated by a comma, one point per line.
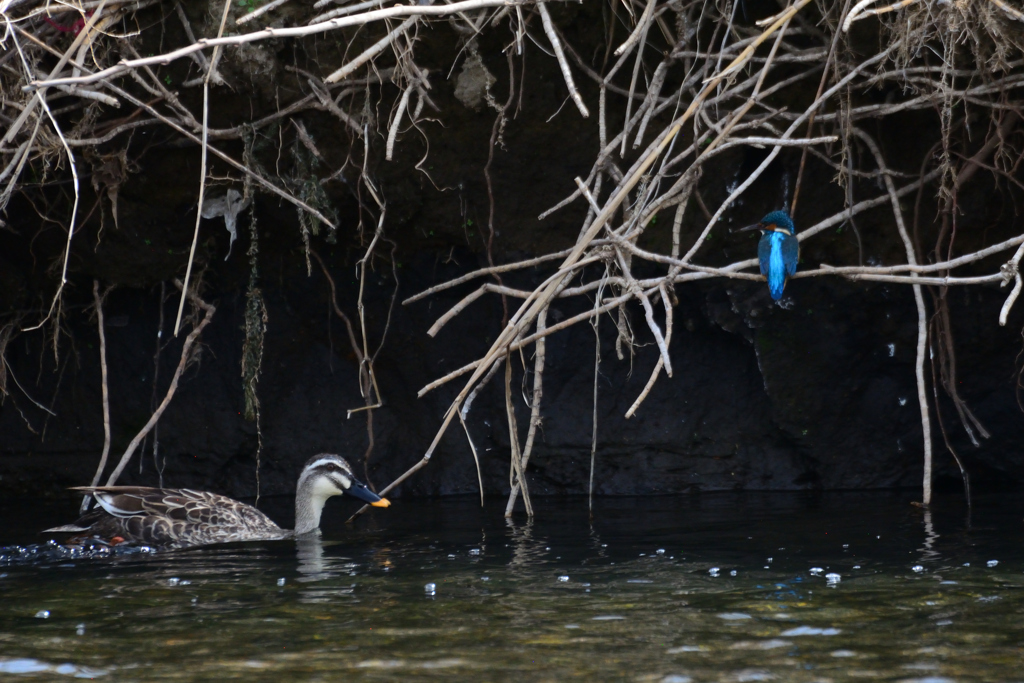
x=181, y=518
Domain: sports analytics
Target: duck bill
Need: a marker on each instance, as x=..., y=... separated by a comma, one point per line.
x=360, y=491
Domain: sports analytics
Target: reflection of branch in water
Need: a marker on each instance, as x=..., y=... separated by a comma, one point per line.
x=595, y=542
x=928, y=551
x=526, y=551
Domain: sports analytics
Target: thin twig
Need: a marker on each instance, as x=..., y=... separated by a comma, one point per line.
x=186, y=356
x=535, y=420
x=271, y=33
x=98, y=304
x=922, y=315
x=556, y=45
x=260, y=11
x=371, y=51
x=202, y=165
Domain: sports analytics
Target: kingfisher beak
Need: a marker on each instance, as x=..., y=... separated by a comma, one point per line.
x=360, y=491
x=755, y=226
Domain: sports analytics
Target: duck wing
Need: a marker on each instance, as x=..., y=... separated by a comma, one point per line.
x=178, y=517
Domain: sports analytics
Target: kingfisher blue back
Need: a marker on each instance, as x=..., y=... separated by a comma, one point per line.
x=778, y=251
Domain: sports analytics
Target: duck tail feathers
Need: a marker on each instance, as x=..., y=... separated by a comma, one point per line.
x=65, y=528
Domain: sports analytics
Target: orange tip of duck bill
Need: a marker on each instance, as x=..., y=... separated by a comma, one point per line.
x=382, y=503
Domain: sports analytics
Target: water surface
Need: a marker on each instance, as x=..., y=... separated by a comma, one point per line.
x=715, y=587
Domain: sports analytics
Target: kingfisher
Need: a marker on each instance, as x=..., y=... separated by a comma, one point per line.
x=778, y=251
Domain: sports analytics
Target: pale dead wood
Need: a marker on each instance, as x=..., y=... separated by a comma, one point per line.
x=342, y=11
x=371, y=51
x=661, y=361
x=397, y=122
x=40, y=97
x=1013, y=12
x=260, y=11
x=202, y=165
x=922, y=315
x=104, y=387
x=516, y=475
x=535, y=419
x=595, y=323
x=556, y=45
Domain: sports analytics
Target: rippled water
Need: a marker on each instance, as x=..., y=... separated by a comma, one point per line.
x=720, y=587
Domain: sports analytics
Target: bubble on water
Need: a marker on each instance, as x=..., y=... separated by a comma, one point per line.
x=967, y=564
x=845, y=546
x=43, y=614
x=563, y=578
x=770, y=560
x=832, y=578
x=26, y=665
x=281, y=581
x=474, y=551
x=80, y=630
x=660, y=551
x=430, y=588
x=903, y=400
x=811, y=631
x=547, y=548
x=992, y=563
x=173, y=581
x=816, y=571
x=856, y=566
x=732, y=573
x=917, y=569
x=844, y=653
x=450, y=556
x=714, y=571
x=734, y=616
x=485, y=578
x=892, y=350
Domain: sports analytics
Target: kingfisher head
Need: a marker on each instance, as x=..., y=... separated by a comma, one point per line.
x=777, y=221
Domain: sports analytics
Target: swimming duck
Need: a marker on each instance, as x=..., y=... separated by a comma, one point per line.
x=182, y=518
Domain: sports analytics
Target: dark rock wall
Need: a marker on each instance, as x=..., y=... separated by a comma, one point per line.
x=818, y=393
x=816, y=399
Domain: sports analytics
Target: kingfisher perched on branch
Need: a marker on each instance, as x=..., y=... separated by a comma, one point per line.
x=778, y=251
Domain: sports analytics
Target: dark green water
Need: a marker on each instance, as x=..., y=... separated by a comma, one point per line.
x=630, y=597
